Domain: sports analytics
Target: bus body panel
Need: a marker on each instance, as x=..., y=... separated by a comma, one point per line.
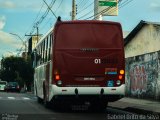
x=87, y=91
x=86, y=60
x=84, y=51
x=43, y=78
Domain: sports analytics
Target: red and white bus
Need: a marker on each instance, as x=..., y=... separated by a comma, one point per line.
x=80, y=60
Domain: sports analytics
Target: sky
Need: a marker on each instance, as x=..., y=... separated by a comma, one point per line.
x=19, y=17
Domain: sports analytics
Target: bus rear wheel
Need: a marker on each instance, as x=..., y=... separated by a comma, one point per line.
x=45, y=102
x=39, y=100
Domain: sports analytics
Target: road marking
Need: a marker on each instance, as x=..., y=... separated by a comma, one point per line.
x=26, y=98
x=16, y=98
x=11, y=98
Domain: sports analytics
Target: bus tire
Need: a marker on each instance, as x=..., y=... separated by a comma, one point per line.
x=45, y=102
x=39, y=100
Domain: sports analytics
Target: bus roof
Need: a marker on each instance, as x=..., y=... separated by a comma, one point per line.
x=89, y=22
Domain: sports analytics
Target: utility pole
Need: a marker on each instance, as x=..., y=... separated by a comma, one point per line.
x=37, y=34
x=35, y=41
x=73, y=9
x=96, y=15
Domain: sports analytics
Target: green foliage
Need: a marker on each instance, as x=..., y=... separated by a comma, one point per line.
x=17, y=69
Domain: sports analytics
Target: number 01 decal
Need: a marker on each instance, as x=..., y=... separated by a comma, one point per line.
x=97, y=61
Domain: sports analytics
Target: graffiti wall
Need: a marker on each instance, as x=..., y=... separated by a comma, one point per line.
x=143, y=76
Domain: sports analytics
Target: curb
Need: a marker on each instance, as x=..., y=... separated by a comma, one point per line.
x=137, y=110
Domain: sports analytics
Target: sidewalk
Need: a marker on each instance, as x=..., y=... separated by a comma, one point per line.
x=137, y=105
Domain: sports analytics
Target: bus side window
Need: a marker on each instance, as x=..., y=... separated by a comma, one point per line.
x=38, y=56
x=34, y=58
x=49, y=42
x=43, y=51
x=46, y=49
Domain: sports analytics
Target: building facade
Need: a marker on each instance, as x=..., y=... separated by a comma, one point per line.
x=142, y=52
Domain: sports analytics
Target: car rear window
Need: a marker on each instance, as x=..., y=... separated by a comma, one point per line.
x=13, y=83
x=3, y=83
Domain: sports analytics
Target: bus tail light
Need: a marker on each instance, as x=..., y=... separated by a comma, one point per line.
x=121, y=72
x=120, y=77
x=57, y=77
x=58, y=80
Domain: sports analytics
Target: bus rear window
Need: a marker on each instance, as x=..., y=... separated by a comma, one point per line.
x=88, y=36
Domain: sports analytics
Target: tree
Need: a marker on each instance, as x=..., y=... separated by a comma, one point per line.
x=17, y=69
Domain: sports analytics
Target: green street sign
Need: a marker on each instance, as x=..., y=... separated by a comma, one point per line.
x=107, y=3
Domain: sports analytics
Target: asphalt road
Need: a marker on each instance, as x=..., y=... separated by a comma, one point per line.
x=22, y=106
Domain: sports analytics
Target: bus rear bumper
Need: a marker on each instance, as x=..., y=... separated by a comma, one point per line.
x=109, y=92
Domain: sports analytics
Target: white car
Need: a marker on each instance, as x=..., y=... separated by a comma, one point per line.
x=2, y=85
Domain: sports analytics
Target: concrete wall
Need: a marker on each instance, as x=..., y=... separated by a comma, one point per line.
x=147, y=40
x=143, y=76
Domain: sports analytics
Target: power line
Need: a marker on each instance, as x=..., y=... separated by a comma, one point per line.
x=50, y=8
x=33, y=21
x=51, y=12
x=59, y=6
x=85, y=8
x=122, y=5
x=95, y=8
x=36, y=17
x=45, y=25
x=107, y=9
x=83, y=4
x=43, y=16
x=95, y=15
x=88, y=13
x=85, y=14
x=50, y=19
x=104, y=10
x=35, y=24
x=101, y=12
x=81, y=1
